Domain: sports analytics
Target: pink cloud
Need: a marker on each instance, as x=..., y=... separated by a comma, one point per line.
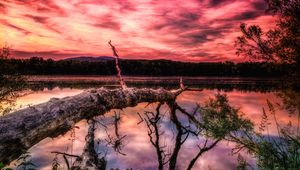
x=190, y=30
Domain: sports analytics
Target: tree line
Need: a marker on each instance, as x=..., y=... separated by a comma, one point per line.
x=40, y=66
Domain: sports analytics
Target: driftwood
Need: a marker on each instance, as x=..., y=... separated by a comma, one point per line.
x=24, y=128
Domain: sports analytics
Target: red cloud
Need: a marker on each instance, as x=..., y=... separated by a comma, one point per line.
x=190, y=30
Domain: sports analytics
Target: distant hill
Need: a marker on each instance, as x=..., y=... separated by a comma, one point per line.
x=90, y=59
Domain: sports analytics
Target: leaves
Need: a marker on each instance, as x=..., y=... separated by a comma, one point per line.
x=264, y=121
x=281, y=44
x=219, y=119
x=272, y=152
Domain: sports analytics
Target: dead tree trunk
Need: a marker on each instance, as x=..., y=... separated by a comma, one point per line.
x=22, y=129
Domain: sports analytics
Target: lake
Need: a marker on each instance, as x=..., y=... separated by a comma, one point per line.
x=250, y=95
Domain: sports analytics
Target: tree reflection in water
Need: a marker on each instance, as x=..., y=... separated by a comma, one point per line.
x=162, y=116
x=213, y=121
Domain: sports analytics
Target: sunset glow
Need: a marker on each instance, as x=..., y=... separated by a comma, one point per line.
x=189, y=30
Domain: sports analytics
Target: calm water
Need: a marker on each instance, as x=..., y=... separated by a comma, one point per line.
x=140, y=154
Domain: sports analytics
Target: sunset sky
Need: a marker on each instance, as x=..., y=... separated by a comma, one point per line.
x=183, y=30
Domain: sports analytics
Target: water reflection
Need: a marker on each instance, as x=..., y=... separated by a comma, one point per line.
x=245, y=84
x=140, y=154
x=44, y=95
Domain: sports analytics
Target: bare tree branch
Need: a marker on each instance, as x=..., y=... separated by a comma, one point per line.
x=63, y=153
x=201, y=151
x=122, y=83
x=152, y=122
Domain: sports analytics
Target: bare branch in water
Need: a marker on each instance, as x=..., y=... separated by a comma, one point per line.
x=180, y=132
x=117, y=119
x=202, y=150
x=56, y=164
x=141, y=118
x=116, y=142
x=63, y=153
x=89, y=158
x=153, y=128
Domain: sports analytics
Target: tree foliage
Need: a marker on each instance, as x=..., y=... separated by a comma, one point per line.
x=219, y=118
x=278, y=151
x=279, y=44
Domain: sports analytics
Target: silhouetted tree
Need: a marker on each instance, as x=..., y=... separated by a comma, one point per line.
x=280, y=44
x=39, y=66
x=5, y=52
x=10, y=85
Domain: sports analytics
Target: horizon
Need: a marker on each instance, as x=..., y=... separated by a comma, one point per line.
x=190, y=31
x=137, y=59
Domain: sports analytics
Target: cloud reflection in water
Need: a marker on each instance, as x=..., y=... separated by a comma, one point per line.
x=140, y=154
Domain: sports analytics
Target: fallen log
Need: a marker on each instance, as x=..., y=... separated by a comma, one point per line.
x=24, y=128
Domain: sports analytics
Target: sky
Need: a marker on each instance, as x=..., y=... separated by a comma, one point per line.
x=181, y=30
